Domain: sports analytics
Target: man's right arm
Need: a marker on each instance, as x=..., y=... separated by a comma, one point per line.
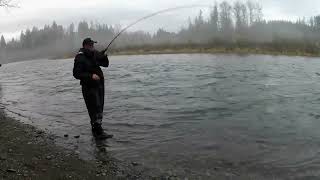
x=102, y=59
x=79, y=70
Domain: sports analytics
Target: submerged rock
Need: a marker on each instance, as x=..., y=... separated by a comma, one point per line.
x=135, y=163
x=11, y=170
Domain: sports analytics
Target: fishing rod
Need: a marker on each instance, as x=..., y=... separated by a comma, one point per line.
x=149, y=16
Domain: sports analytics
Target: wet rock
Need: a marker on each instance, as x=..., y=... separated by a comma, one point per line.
x=135, y=163
x=66, y=135
x=229, y=164
x=11, y=170
x=103, y=174
x=208, y=173
x=2, y=158
x=230, y=175
x=49, y=157
x=263, y=146
x=40, y=132
x=102, y=149
x=10, y=150
x=261, y=141
x=77, y=137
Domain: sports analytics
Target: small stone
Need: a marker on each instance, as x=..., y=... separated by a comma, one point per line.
x=11, y=170
x=135, y=163
x=43, y=170
x=229, y=174
x=66, y=135
x=48, y=157
x=260, y=141
x=78, y=136
x=29, y=143
x=104, y=174
x=10, y=150
x=208, y=173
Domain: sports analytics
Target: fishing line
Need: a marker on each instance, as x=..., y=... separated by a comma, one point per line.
x=149, y=16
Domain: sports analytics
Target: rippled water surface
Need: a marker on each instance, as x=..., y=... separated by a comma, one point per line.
x=181, y=111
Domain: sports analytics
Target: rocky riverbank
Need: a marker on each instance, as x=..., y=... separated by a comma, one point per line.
x=29, y=153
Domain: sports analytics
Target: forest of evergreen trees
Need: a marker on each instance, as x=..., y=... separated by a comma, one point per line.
x=237, y=25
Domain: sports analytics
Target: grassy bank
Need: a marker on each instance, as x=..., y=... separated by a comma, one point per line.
x=143, y=50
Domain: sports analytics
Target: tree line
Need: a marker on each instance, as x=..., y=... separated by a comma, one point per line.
x=236, y=25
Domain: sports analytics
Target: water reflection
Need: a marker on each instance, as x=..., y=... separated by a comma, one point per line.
x=2, y=106
x=101, y=147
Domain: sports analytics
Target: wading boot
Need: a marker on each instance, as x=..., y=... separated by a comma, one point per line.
x=99, y=133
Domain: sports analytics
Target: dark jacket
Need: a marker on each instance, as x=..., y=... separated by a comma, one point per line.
x=87, y=63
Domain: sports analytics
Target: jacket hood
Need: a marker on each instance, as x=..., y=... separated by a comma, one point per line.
x=86, y=52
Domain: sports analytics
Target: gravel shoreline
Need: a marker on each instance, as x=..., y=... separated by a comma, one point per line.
x=29, y=153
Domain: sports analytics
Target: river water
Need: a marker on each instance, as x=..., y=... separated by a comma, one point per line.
x=182, y=113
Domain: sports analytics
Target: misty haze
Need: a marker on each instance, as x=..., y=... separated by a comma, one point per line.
x=159, y=90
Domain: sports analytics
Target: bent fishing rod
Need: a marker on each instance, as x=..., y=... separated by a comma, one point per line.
x=149, y=16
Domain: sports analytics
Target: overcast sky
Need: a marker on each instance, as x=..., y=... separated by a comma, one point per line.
x=39, y=12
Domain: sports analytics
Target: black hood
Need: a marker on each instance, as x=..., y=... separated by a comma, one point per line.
x=87, y=52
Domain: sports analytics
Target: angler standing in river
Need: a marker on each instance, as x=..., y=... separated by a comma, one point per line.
x=87, y=69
